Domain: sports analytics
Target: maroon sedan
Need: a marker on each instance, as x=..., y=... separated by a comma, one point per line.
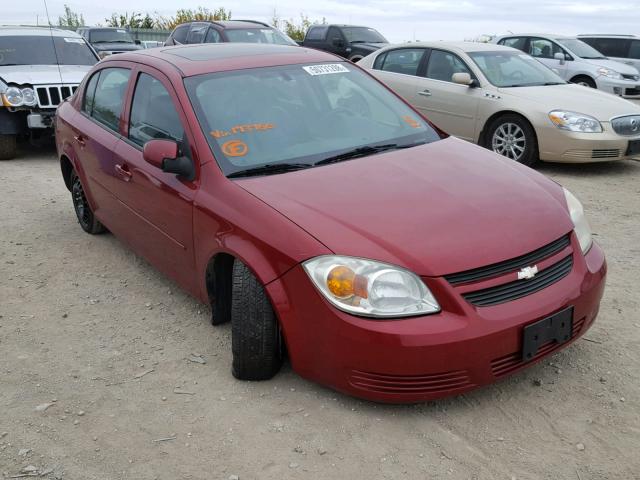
x=326, y=219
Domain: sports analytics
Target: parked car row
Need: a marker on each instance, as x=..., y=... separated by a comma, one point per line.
x=327, y=220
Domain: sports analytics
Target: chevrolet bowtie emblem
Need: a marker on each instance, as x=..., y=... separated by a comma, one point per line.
x=527, y=272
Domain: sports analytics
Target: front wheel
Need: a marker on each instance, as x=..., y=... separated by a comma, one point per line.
x=8, y=147
x=86, y=218
x=513, y=137
x=256, y=340
x=584, y=81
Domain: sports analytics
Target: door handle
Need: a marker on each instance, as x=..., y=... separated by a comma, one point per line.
x=80, y=139
x=123, y=172
x=425, y=93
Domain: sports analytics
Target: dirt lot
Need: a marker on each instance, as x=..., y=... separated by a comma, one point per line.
x=97, y=333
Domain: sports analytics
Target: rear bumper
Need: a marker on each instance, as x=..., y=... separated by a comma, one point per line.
x=423, y=358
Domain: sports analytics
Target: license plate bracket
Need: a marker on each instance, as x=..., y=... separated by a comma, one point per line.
x=556, y=328
x=633, y=148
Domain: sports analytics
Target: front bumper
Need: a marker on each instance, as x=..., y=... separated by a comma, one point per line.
x=557, y=145
x=623, y=88
x=423, y=358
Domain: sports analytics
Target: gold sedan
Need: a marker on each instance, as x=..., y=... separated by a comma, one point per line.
x=505, y=100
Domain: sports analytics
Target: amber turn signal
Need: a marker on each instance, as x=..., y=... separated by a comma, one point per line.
x=344, y=283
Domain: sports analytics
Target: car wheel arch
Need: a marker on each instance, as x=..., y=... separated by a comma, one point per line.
x=586, y=77
x=66, y=167
x=482, y=138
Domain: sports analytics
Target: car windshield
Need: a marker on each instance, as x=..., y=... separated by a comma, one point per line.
x=258, y=35
x=300, y=114
x=580, y=48
x=514, y=69
x=39, y=50
x=110, y=35
x=362, y=35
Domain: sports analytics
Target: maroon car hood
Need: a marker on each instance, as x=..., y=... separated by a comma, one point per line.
x=436, y=209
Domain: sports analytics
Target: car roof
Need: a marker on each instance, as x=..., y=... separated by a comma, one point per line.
x=230, y=24
x=604, y=35
x=36, y=31
x=541, y=35
x=219, y=57
x=103, y=28
x=453, y=46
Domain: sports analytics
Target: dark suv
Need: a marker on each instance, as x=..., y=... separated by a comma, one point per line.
x=348, y=41
x=237, y=31
x=107, y=40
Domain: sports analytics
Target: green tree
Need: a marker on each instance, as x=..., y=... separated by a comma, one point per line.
x=70, y=18
x=296, y=30
x=200, y=14
x=131, y=20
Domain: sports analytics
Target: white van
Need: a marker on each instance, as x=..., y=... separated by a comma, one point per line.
x=621, y=48
x=577, y=62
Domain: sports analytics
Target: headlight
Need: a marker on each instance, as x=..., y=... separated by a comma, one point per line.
x=370, y=288
x=28, y=96
x=13, y=97
x=575, y=122
x=580, y=224
x=607, y=72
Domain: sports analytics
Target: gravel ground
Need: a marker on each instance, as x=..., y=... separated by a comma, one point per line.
x=98, y=378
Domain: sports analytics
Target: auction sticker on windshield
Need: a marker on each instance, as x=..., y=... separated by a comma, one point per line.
x=325, y=69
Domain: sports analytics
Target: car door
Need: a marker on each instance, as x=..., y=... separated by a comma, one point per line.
x=160, y=204
x=451, y=106
x=336, y=43
x=544, y=50
x=96, y=133
x=398, y=68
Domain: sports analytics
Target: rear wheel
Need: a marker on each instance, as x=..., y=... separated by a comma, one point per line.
x=86, y=218
x=255, y=334
x=8, y=147
x=513, y=137
x=584, y=81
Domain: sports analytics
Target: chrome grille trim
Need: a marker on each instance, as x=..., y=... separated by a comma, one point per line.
x=50, y=96
x=628, y=126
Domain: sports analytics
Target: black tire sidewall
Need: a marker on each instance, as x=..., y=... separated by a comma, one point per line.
x=530, y=156
x=92, y=226
x=590, y=83
x=8, y=147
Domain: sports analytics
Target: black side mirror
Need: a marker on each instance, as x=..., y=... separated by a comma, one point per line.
x=137, y=42
x=181, y=166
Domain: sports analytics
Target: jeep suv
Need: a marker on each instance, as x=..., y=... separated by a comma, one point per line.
x=238, y=31
x=621, y=48
x=39, y=69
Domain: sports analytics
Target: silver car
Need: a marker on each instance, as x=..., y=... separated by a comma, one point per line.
x=39, y=68
x=577, y=62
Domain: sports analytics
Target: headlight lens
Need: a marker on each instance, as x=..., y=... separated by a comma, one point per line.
x=13, y=97
x=575, y=122
x=370, y=288
x=580, y=224
x=28, y=96
x=607, y=72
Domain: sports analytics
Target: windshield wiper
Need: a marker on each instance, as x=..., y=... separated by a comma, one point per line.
x=269, y=169
x=363, y=152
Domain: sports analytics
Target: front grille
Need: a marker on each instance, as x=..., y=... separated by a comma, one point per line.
x=632, y=92
x=627, y=126
x=432, y=383
x=507, y=292
x=512, y=265
x=50, y=96
x=508, y=363
x=606, y=153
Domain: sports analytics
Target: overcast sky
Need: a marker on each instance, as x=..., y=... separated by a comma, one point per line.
x=397, y=20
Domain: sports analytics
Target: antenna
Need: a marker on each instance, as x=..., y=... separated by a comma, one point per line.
x=53, y=43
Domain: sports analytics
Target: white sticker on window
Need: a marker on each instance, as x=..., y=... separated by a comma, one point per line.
x=325, y=69
x=73, y=40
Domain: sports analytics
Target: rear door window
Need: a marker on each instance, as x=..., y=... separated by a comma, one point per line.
x=197, y=33
x=180, y=34
x=634, y=50
x=153, y=114
x=109, y=97
x=212, y=36
x=402, y=60
x=514, y=42
x=317, y=33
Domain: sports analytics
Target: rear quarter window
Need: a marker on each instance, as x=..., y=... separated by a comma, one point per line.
x=317, y=33
x=109, y=96
x=180, y=34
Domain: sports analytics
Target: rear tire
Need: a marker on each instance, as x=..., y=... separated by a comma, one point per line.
x=513, y=137
x=255, y=334
x=584, y=81
x=86, y=218
x=8, y=147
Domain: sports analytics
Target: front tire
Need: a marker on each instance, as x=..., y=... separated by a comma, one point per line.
x=513, y=137
x=86, y=218
x=255, y=334
x=584, y=81
x=8, y=147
